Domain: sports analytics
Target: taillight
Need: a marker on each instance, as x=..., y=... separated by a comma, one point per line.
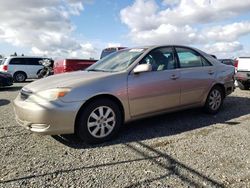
x=236, y=61
x=5, y=67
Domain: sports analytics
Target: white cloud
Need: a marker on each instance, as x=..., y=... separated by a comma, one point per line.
x=144, y=14
x=140, y=16
x=44, y=26
x=224, y=47
x=166, y=34
x=191, y=22
x=88, y=50
x=228, y=32
x=114, y=44
x=171, y=2
x=1, y=32
x=85, y=51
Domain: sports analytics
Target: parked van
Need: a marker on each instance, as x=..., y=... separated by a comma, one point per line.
x=22, y=67
x=69, y=65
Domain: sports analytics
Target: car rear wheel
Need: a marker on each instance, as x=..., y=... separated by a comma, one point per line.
x=19, y=77
x=214, y=100
x=243, y=86
x=99, y=121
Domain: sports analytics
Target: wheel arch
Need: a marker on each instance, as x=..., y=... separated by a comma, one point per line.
x=100, y=96
x=38, y=71
x=222, y=87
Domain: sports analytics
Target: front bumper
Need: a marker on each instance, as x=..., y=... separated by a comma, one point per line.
x=6, y=81
x=52, y=118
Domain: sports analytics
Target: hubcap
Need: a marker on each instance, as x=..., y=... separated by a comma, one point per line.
x=101, y=122
x=215, y=99
x=20, y=77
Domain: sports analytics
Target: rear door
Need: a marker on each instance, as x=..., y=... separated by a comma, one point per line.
x=196, y=75
x=33, y=66
x=156, y=90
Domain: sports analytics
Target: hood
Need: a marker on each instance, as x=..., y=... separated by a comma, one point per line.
x=71, y=80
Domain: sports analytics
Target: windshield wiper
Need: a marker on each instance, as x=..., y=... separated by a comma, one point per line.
x=97, y=70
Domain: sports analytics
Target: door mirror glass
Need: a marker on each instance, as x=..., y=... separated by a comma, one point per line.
x=142, y=68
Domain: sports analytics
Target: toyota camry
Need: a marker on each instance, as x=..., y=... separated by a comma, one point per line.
x=127, y=85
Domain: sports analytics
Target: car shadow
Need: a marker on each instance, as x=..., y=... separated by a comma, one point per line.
x=4, y=102
x=11, y=88
x=170, y=124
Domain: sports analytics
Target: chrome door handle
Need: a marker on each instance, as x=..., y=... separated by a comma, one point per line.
x=210, y=72
x=174, y=77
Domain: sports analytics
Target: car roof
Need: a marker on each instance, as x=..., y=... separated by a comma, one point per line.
x=166, y=45
x=12, y=57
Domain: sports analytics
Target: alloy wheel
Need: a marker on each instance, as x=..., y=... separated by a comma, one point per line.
x=20, y=77
x=101, y=122
x=215, y=99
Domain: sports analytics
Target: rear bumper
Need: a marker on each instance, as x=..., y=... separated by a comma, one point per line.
x=46, y=119
x=229, y=87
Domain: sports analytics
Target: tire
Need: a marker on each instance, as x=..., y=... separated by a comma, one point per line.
x=42, y=74
x=243, y=86
x=214, y=100
x=19, y=77
x=99, y=121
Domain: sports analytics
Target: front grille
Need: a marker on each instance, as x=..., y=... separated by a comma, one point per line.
x=24, y=94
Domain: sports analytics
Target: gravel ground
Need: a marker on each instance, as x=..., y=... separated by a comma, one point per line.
x=184, y=149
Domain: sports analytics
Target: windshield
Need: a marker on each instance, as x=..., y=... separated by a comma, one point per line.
x=117, y=61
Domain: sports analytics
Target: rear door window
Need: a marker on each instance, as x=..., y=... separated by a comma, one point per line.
x=33, y=61
x=17, y=61
x=189, y=58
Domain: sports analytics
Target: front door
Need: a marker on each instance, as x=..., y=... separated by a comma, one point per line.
x=158, y=89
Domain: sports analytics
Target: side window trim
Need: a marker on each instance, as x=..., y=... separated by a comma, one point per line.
x=195, y=52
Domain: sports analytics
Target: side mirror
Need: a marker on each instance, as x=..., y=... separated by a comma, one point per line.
x=142, y=68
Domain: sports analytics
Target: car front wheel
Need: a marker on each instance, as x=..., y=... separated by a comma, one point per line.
x=214, y=100
x=99, y=121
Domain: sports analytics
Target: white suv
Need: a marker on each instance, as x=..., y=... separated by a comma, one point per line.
x=242, y=76
x=22, y=67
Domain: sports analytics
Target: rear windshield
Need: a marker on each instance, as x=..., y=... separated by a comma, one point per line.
x=107, y=51
x=227, y=61
x=2, y=61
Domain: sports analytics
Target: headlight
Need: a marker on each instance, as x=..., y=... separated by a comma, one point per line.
x=49, y=95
